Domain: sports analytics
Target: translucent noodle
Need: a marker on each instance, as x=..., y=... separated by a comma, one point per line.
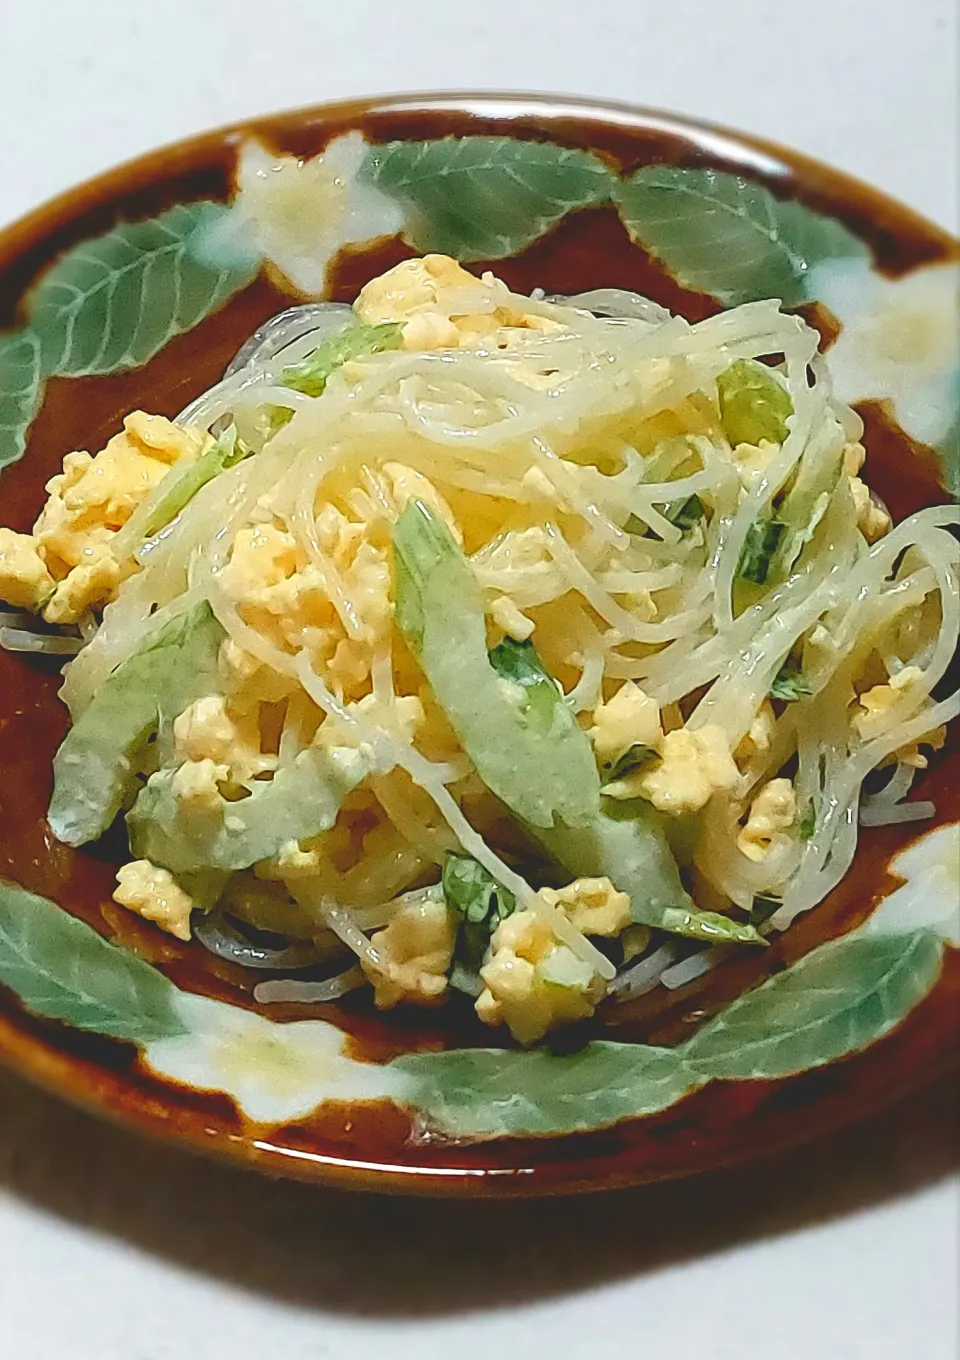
x=585, y=463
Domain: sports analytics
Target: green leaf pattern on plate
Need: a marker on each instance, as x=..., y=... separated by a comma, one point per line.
x=489, y=1093
x=837, y=999
x=21, y=391
x=483, y=198
x=729, y=236
x=61, y=969
x=114, y=302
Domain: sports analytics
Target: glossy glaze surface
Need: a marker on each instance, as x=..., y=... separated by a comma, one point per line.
x=378, y=1142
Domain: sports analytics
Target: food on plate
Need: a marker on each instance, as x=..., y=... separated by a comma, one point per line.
x=464, y=643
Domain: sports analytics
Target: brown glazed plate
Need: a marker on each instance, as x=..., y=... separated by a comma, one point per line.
x=135, y=291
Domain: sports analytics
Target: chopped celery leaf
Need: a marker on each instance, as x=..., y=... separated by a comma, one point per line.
x=763, y=908
x=630, y=762
x=479, y=899
x=685, y=513
x=472, y=891
x=311, y=375
x=759, y=546
x=710, y=926
x=790, y=685
x=808, y=822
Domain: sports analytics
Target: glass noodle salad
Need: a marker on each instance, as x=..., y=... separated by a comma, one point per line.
x=461, y=642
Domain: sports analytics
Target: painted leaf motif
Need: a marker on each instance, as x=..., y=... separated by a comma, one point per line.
x=837, y=999
x=21, y=391
x=60, y=968
x=483, y=198
x=489, y=1093
x=728, y=236
x=114, y=302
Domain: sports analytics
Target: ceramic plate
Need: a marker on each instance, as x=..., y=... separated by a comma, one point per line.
x=135, y=291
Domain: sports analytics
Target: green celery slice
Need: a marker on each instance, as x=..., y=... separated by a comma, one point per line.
x=298, y=802
x=519, y=733
x=94, y=771
x=176, y=491
x=311, y=375
x=754, y=404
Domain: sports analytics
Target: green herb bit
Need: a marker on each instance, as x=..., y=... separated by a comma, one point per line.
x=710, y=926
x=807, y=824
x=519, y=662
x=472, y=891
x=310, y=376
x=762, y=540
x=277, y=417
x=763, y=908
x=790, y=685
x=226, y=452
x=177, y=490
x=685, y=513
x=630, y=762
x=754, y=404
x=474, y=894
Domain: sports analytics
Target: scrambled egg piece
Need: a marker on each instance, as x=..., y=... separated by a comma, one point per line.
x=87, y=586
x=911, y=753
x=293, y=862
x=772, y=812
x=197, y=782
x=93, y=497
x=289, y=600
x=66, y=566
x=532, y=982
x=416, y=950
x=512, y=620
x=594, y=905
x=396, y=485
x=404, y=716
x=208, y=731
x=759, y=735
x=878, y=710
x=872, y=520
x=694, y=766
x=25, y=581
x=630, y=718
x=879, y=704
x=854, y=457
x=205, y=729
x=752, y=461
x=247, y=681
x=445, y=307
x=154, y=894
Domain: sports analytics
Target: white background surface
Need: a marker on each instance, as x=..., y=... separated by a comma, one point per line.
x=111, y=1249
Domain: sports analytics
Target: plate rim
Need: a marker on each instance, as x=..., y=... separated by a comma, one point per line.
x=56, y=1070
